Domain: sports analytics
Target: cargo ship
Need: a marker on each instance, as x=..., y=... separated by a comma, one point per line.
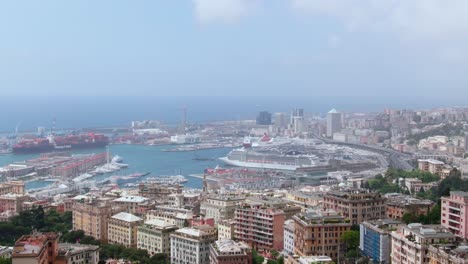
x=68, y=142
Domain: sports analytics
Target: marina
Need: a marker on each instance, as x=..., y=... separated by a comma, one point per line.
x=142, y=158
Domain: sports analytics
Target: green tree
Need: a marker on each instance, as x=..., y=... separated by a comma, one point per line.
x=256, y=258
x=351, y=239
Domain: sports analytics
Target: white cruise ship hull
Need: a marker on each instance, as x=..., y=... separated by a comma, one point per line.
x=258, y=165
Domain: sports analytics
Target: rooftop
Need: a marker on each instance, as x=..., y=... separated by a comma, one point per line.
x=432, y=161
x=131, y=199
x=230, y=247
x=31, y=245
x=158, y=223
x=123, y=216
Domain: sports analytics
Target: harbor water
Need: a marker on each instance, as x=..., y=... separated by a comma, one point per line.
x=141, y=158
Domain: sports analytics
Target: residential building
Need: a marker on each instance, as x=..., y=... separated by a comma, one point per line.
x=289, y=237
x=92, y=217
x=192, y=245
x=16, y=187
x=448, y=254
x=227, y=251
x=410, y=244
x=400, y=204
x=130, y=204
x=41, y=248
x=260, y=227
x=357, y=205
x=334, y=122
x=122, y=229
x=431, y=165
x=77, y=254
x=415, y=185
x=178, y=218
x=12, y=203
x=226, y=229
x=375, y=240
x=220, y=207
x=155, y=236
x=275, y=203
x=318, y=233
x=454, y=213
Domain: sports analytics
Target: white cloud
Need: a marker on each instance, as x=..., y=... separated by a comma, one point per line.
x=225, y=11
x=435, y=19
x=438, y=25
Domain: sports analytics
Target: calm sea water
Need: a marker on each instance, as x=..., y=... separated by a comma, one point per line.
x=146, y=159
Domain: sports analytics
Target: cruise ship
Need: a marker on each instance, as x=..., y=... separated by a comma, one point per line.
x=251, y=159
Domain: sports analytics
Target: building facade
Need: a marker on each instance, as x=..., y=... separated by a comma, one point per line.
x=92, y=217
x=375, y=240
x=454, y=213
x=122, y=229
x=261, y=228
x=220, y=207
x=318, y=233
x=226, y=229
x=410, y=244
x=155, y=236
x=192, y=245
x=289, y=237
x=356, y=205
x=41, y=248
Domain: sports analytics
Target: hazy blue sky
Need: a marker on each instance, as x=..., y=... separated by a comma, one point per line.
x=235, y=47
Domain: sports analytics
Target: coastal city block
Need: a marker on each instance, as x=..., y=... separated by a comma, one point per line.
x=287, y=187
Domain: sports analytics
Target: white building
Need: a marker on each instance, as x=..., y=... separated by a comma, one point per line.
x=334, y=124
x=289, y=237
x=155, y=236
x=192, y=245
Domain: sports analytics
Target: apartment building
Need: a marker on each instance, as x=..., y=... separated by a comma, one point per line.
x=220, y=207
x=375, y=240
x=260, y=227
x=12, y=203
x=410, y=244
x=357, y=205
x=192, y=245
x=130, y=204
x=454, y=213
x=227, y=251
x=431, y=165
x=39, y=248
x=16, y=187
x=92, y=217
x=179, y=219
x=400, y=204
x=289, y=237
x=77, y=254
x=226, y=229
x=448, y=254
x=318, y=233
x=155, y=236
x=122, y=229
